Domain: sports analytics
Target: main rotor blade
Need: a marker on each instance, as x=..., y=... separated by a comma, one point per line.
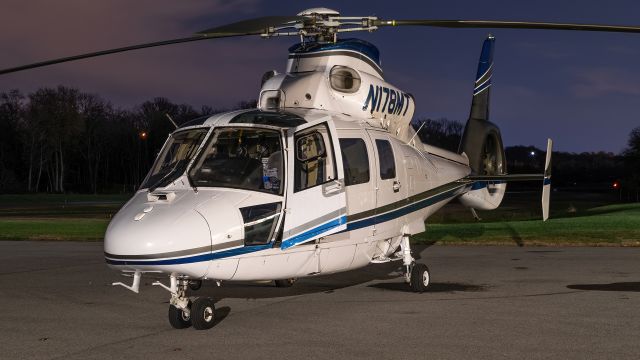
x=101, y=53
x=508, y=25
x=252, y=26
x=247, y=27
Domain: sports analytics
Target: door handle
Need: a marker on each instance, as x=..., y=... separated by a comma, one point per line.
x=332, y=187
x=396, y=186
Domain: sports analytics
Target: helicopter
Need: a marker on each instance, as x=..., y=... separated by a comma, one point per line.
x=326, y=175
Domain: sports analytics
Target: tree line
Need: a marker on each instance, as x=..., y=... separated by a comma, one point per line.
x=64, y=140
x=587, y=171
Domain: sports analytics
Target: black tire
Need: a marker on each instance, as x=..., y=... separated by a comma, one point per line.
x=285, y=283
x=178, y=319
x=195, y=285
x=203, y=313
x=420, y=278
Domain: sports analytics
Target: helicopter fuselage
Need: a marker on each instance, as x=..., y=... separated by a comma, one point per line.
x=342, y=195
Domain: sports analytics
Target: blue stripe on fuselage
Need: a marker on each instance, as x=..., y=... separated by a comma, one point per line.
x=313, y=232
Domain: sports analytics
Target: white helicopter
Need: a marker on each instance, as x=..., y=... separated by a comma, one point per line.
x=325, y=176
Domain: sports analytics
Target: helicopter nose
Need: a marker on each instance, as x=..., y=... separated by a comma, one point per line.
x=144, y=236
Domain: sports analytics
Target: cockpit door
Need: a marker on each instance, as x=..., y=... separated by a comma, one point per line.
x=316, y=201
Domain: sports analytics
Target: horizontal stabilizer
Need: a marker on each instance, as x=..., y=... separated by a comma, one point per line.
x=483, y=180
x=506, y=177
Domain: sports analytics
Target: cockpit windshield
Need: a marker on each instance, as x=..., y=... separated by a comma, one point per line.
x=244, y=158
x=174, y=158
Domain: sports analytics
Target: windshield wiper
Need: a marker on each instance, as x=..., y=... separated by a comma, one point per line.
x=168, y=176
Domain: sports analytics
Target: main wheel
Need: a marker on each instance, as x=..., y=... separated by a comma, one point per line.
x=285, y=283
x=178, y=318
x=420, y=278
x=203, y=313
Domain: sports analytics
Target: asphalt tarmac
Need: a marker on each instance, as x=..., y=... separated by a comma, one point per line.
x=485, y=303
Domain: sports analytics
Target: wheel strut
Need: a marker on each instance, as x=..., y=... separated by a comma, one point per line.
x=415, y=274
x=407, y=259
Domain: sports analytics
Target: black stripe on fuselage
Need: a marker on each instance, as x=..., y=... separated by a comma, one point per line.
x=408, y=201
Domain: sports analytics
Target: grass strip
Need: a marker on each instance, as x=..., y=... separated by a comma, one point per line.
x=613, y=225
x=75, y=229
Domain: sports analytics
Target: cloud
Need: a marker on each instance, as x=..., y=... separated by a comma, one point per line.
x=602, y=81
x=219, y=72
x=39, y=29
x=551, y=50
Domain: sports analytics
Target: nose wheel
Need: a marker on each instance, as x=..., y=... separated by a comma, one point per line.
x=185, y=312
x=203, y=313
x=179, y=319
x=200, y=313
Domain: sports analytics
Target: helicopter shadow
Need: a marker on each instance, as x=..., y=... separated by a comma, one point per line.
x=304, y=286
x=380, y=274
x=444, y=287
x=307, y=285
x=618, y=286
x=310, y=285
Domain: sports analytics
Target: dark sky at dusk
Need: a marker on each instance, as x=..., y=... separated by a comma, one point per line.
x=580, y=88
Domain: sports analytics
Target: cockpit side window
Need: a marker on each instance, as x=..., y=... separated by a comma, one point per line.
x=314, y=163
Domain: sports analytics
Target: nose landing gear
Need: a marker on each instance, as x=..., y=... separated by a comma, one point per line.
x=183, y=311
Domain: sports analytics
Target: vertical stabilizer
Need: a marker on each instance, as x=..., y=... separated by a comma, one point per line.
x=481, y=89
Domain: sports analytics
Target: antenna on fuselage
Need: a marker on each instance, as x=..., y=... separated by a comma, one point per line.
x=171, y=119
x=416, y=134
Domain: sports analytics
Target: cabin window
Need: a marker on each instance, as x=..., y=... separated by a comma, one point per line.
x=386, y=159
x=314, y=163
x=344, y=79
x=355, y=161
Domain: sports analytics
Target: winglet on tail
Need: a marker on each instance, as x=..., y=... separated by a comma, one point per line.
x=546, y=183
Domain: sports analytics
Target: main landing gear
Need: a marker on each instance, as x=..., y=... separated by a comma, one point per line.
x=415, y=274
x=185, y=311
